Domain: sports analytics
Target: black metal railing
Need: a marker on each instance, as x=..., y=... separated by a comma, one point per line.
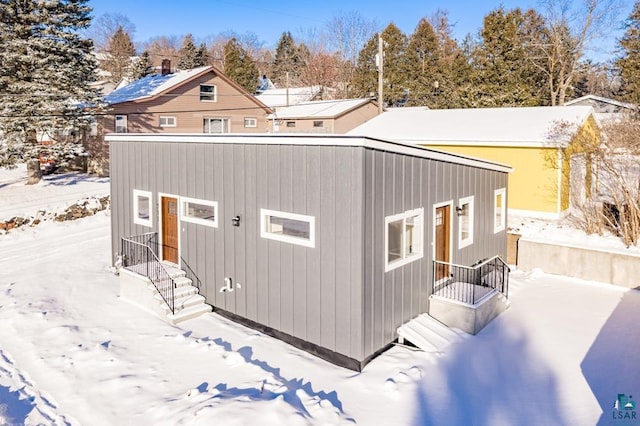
x=469, y=284
x=154, y=243
x=139, y=257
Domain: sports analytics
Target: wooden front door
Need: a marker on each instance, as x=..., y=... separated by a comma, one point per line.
x=170, y=229
x=442, y=242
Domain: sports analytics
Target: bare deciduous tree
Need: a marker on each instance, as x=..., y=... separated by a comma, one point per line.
x=611, y=197
x=570, y=30
x=105, y=26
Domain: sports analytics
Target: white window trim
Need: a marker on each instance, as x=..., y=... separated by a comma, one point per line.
x=311, y=242
x=405, y=259
x=124, y=118
x=223, y=120
x=251, y=119
x=172, y=117
x=214, y=93
x=136, y=216
x=503, y=210
x=469, y=240
x=186, y=218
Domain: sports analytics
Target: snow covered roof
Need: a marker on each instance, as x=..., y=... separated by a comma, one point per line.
x=525, y=126
x=591, y=99
x=152, y=85
x=309, y=139
x=278, y=97
x=319, y=109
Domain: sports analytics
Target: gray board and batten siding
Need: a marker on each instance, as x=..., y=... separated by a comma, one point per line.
x=334, y=299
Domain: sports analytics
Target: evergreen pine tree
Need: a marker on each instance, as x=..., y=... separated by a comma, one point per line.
x=395, y=85
x=142, y=67
x=629, y=61
x=287, y=60
x=202, y=56
x=188, y=54
x=120, y=51
x=239, y=66
x=504, y=75
x=422, y=61
x=45, y=72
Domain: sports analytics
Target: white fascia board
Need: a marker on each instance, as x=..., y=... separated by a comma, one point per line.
x=310, y=139
x=479, y=143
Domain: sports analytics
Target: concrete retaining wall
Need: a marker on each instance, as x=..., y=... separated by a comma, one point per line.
x=588, y=264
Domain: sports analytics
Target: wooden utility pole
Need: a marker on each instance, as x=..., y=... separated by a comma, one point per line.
x=380, y=73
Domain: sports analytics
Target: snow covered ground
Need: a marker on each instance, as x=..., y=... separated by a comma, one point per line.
x=72, y=352
x=53, y=193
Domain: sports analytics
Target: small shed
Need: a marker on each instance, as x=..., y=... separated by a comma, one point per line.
x=327, y=242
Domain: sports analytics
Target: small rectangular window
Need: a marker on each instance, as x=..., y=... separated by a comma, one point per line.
x=499, y=210
x=142, y=208
x=465, y=222
x=203, y=212
x=167, y=121
x=121, y=124
x=318, y=124
x=291, y=124
x=208, y=93
x=403, y=238
x=250, y=122
x=287, y=227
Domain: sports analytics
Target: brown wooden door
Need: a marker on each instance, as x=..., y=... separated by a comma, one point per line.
x=442, y=240
x=170, y=229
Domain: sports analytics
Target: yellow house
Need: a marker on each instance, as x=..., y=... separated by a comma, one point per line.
x=537, y=142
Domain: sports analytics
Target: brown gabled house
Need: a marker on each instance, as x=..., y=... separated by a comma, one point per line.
x=329, y=116
x=200, y=100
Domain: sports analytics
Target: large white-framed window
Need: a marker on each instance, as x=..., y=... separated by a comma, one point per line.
x=208, y=93
x=168, y=121
x=499, y=210
x=203, y=212
x=121, y=123
x=142, y=208
x=404, y=238
x=465, y=221
x=288, y=227
x=250, y=122
x=216, y=125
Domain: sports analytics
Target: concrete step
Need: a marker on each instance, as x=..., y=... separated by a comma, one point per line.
x=189, y=313
x=427, y=333
x=188, y=301
x=174, y=271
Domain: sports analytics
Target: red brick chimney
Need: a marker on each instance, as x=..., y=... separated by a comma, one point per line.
x=165, y=68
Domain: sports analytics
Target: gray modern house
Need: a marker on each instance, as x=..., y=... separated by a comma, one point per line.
x=328, y=242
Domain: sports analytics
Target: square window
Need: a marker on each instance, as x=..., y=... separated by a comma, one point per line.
x=287, y=227
x=121, y=124
x=499, y=210
x=202, y=212
x=318, y=124
x=167, y=121
x=142, y=208
x=208, y=93
x=403, y=238
x=465, y=222
x=291, y=124
x=250, y=122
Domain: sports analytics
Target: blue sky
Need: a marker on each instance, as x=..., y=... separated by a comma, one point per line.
x=268, y=20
